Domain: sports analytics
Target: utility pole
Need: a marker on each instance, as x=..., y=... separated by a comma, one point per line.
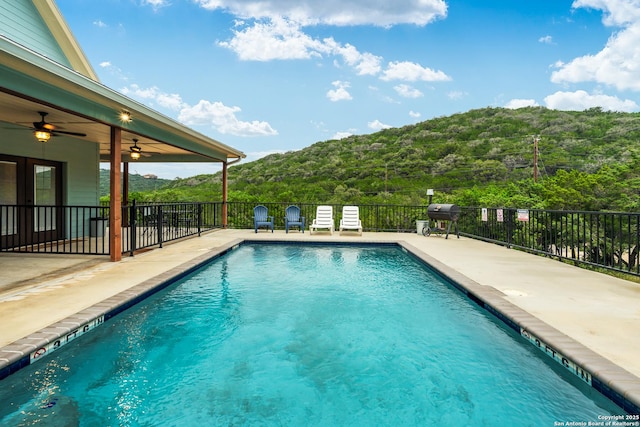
x=386, y=177
x=536, y=139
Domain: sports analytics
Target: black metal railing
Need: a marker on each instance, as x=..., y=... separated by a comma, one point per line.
x=53, y=229
x=394, y=218
x=84, y=229
x=609, y=240
x=149, y=225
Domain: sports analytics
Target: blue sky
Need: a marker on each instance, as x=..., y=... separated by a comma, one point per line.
x=269, y=76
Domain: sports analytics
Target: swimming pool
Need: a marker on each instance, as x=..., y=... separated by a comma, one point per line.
x=299, y=335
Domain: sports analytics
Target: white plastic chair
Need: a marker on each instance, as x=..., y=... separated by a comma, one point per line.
x=350, y=219
x=323, y=219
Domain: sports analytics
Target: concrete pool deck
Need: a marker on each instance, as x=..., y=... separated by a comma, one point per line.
x=568, y=304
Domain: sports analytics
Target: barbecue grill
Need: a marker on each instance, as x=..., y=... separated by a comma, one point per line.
x=444, y=212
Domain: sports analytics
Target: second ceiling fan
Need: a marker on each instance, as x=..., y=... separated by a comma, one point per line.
x=45, y=127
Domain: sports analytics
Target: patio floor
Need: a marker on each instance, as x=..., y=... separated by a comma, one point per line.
x=598, y=311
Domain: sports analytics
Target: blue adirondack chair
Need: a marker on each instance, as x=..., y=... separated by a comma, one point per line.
x=261, y=218
x=292, y=218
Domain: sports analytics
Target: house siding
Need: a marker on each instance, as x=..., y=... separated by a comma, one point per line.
x=82, y=174
x=21, y=22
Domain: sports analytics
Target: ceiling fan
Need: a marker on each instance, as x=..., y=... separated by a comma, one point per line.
x=44, y=130
x=136, y=151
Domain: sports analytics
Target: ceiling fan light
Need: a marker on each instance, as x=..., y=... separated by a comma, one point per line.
x=42, y=135
x=135, y=150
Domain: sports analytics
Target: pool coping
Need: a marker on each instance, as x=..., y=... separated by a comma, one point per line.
x=605, y=377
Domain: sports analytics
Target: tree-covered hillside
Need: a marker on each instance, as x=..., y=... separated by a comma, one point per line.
x=137, y=183
x=586, y=160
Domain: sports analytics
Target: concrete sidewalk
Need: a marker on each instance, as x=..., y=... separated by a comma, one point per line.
x=599, y=311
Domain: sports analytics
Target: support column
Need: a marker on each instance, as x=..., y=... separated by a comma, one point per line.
x=224, y=195
x=115, y=205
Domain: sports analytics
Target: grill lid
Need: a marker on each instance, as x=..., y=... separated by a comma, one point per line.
x=447, y=212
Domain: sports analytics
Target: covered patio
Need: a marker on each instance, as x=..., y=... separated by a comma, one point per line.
x=56, y=125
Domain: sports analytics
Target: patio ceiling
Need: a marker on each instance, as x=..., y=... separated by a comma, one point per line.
x=30, y=83
x=18, y=114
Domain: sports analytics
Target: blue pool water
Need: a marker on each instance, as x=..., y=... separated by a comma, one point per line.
x=298, y=335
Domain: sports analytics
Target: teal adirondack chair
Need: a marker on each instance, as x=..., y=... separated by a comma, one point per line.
x=292, y=218
x=261, y=218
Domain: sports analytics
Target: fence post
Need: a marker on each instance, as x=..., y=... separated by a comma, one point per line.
x=199, y=221
x=133, y=221
x=510, y=224
x=159, y=225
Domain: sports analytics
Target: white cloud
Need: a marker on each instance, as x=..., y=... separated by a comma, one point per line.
x=99, y=23
x=377, y=125
x=414, y=114
x=581, y=100
x=456, y=95
x=617, y=64
x=223, y=119
x=276, y=39
x=156, y=4
x=214, y=114
x=172, y=101
x=616, y=12
x=365, y=63
x=342, y=135
x=150, y=94
x=281, y=39
x=115, y=71
x=381, y=13
x=546, y=39
x=521, y=103
x=410, y=71
x=408, y=91
x=340, y=92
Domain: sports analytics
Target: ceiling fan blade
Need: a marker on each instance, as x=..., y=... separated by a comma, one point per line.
x=69, y=133
x=43, y=126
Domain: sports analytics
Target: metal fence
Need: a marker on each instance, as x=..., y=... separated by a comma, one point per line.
x=84, y=229
x=609, y=240
x=148, y=225
x=390, y=218
x=53, y=229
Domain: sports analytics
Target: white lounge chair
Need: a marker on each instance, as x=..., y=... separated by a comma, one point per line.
x=323, y=219
x=350, y=219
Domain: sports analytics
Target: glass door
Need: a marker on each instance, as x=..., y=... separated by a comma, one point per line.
x=44, y=196
x=30, y=201
x=43, y=199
